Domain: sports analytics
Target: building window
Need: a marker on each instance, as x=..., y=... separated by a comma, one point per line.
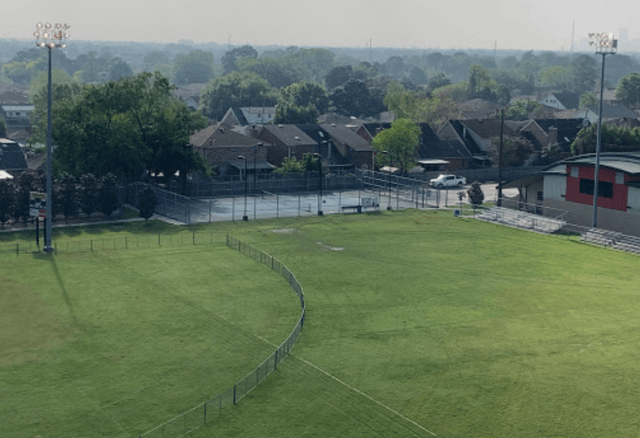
x=574, y=171
x=540, y=197
x=619, y=178
x=605, y=189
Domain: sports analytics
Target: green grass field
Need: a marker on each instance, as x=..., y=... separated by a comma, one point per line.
x=115, y=343
x=418, y=324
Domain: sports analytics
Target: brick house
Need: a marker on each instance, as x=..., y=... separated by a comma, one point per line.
x=287, y=141
x=221, y=147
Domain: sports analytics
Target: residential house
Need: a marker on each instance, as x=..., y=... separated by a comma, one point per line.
x=244, y=116
x=222, y=148
x=563, y=100
x=288, y=141
x=12, y=159
x=349, y=144
x=609, y=112
x=189, y=94
x=15, y=109
x=437, y=154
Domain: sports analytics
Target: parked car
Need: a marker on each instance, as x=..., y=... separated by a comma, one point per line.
x=448, y=181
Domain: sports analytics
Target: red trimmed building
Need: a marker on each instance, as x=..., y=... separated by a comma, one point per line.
x=568, y=185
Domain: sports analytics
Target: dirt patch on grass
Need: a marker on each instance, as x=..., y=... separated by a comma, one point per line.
x=27, y=328
x=284, y=230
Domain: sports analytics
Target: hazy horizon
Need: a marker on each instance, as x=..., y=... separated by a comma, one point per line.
x=501, y=24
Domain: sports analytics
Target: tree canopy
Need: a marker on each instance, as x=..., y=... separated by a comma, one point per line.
x=614, y=139
x=353, y=98
x=628, y=90
x=195, y=67
x=400, y=143
x=231, y=58
x=301, y=103
x=235, y=89
x=126, y=127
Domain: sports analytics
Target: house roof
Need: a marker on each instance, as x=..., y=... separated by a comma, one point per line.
x=221, y=135
x=14, y=97
x=290, y=135
x=346, y=136
x=11, y=155
x=567, y=99
x=478, y=108
x=614, y=111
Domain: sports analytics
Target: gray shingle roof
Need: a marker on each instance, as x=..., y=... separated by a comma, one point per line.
x=347, y=136
x=290, y=135
x=221, y=136
x=11, y=156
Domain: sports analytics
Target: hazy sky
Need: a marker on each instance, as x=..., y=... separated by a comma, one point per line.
x=511, y=24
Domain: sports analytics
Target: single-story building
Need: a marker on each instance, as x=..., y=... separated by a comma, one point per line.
x=568, y=186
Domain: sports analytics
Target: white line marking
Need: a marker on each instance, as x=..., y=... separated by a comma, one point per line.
x=368, y=397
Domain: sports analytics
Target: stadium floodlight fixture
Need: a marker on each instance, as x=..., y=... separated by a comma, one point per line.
x=604, y=42
x=51, y=37
x=605, y=45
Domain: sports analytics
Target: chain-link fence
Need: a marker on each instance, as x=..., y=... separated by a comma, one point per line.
x=117, y=243
x=365, y=191
x=209, y=410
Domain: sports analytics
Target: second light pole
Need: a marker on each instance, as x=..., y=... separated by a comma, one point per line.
x=244, y=216
x=319, y=157
x=386, y=154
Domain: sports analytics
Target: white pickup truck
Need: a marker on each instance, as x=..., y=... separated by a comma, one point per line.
x=448, y=181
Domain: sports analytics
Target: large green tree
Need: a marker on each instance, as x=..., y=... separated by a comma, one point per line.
x=195, y=67
x=628, y=90
x=301, y=103
x=125, y=127
x=235, y=89
x=230, y=59
x=353, y=98
x=119, y=69
x=420, y=107
x=400, y=143
x=584, y=73
x=614, y=139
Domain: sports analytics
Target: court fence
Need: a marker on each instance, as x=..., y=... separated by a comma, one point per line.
x=208, y=411
x=368, y=189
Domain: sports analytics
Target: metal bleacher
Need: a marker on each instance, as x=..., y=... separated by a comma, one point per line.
x=522, y=219
x=612, y=239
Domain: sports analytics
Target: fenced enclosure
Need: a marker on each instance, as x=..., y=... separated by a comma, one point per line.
x=207, y=412
x=300, y=196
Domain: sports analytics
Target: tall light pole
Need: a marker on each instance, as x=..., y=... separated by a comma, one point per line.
x=255, y=174
x=386, y=154
x=244, y=216
x=605, y=45
x=319, y=157
x=51, y=37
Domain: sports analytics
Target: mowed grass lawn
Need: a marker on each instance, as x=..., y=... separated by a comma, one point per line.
x=421, y=323
x=113, y=343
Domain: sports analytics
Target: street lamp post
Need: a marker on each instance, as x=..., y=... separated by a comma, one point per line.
x=386, y=153
x=605, y=45
x=319, y=157
x=51, y=37
x=244, y=216
x=255, y=174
